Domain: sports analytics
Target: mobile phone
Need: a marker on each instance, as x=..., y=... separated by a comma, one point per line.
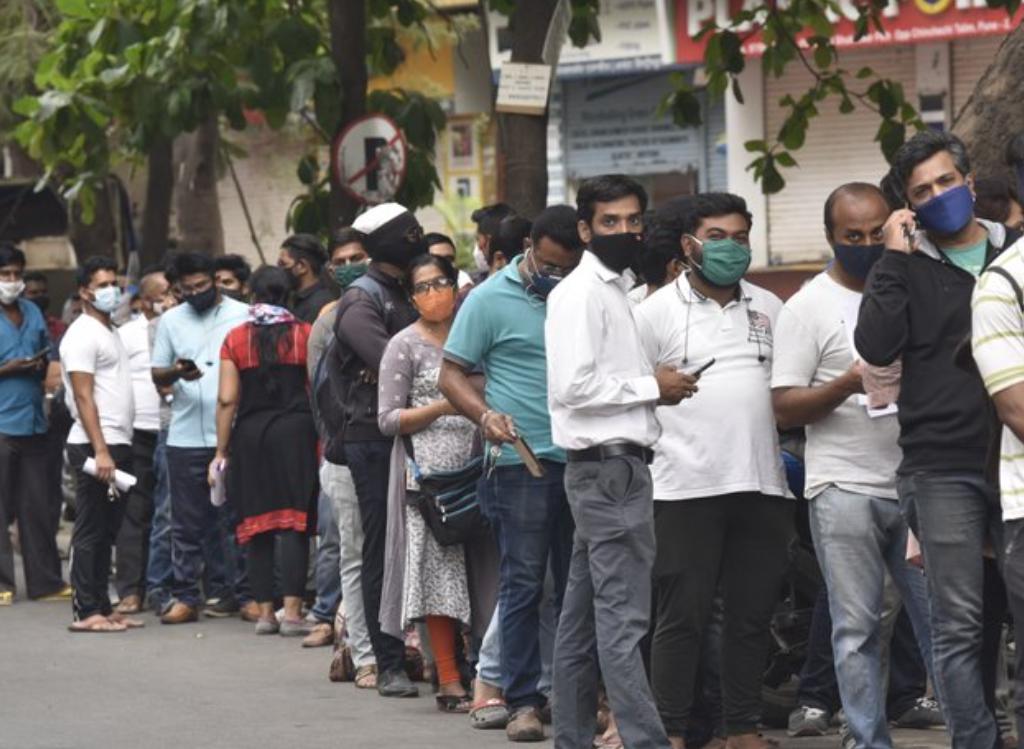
x=44, y=351
x=701, y=369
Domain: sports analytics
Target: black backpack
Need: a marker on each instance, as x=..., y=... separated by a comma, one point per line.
x=337, y=376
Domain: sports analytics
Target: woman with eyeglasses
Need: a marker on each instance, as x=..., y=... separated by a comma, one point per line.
x=412, y=408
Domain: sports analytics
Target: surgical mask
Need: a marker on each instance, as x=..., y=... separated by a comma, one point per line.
x=947, y=213
x=723, y=262
x=479, y=258
x=617, y=252
x=203, y=300
x=346, y=274
x=437, y=305
x=107, y=299
x=539, y=283
x=10, y=291
x=857, y=259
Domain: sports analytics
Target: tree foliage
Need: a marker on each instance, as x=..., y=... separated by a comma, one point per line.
x=801, y=32
x=122, y=75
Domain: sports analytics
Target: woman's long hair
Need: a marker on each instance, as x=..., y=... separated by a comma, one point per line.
x=271, y=285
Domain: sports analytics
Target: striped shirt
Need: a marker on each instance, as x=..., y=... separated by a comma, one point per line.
x=998, y=346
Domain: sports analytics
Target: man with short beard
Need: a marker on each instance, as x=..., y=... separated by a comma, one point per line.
x=374, y=308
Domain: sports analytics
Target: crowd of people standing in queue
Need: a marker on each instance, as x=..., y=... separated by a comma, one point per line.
x=558, y=487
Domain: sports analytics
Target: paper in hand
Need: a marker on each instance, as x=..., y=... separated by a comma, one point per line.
x=218, y=492
x=123, y=481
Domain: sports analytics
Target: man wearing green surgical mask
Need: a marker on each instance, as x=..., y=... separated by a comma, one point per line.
x=349, y=259
x=721, y=512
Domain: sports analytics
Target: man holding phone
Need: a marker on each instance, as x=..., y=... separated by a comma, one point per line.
x=719, y=485
x=917, y=305
x=24, y=481
x=186, y=356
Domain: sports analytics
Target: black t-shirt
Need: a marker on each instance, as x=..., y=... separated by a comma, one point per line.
x=308, y=303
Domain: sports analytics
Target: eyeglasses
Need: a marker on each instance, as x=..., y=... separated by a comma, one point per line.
x=437, y=284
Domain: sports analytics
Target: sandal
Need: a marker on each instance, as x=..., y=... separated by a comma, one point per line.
x=489, y=714
x=366, y=677
x=453, y=703
x=119, y=618
x=96, y=624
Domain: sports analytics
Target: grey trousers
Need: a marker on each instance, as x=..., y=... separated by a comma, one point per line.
x=607, y=603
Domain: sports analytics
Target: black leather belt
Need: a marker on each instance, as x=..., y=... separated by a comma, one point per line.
x=605, y=452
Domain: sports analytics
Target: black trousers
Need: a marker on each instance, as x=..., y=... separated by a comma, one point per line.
x=97, y=521
x=133, y=538
x=741, y=540
x=25, y=498
x=293, y=554
x=370, y=463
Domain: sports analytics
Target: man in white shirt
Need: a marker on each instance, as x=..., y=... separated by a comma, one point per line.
x=721, y=511
x=602, y=393
x=98, y=381
x=133, y=539
x=851, y=459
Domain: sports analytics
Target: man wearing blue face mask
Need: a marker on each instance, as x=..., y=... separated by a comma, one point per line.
x=851, y=459
x=97, y=377
x=720, y=497
x=501, y=328
x=917, y=305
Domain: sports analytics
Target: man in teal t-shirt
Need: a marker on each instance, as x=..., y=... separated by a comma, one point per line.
x=500, y=328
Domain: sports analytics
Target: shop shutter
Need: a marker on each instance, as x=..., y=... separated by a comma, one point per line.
x=969, y=59
x=839, y=148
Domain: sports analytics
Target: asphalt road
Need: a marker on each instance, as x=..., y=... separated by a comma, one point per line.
x=215, y=685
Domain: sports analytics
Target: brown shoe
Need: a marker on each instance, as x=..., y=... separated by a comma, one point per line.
x=250, y=612
x=320, y=636
x=180, y=613
x=525, y=725
x=129, y=605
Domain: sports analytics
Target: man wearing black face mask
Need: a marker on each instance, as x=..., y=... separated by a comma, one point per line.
x=501, y=328
x=373, y=308
x=917, y=306
x=852, y=454
x=602, y=393
x=37, y=289
x=186, y=356
x=304, y=258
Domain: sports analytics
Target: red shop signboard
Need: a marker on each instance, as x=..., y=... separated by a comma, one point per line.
x=905, y=22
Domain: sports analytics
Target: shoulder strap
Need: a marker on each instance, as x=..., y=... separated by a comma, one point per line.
x=375, y=289
x=1001, y=271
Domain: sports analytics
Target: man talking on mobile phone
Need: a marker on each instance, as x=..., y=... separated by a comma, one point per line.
x=917, y=305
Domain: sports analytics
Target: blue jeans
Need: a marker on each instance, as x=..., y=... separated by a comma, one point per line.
x=857, y=538
x=953, y=515
x=328, y=562
x=532, y=523
x=202, y=536
x=159, y=572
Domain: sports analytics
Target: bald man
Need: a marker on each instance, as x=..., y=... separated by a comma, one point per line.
x=133, y=539
x=851, y=460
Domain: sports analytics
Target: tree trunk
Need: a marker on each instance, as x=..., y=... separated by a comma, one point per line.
x=524, y=138
x=995, y=111
x=22, y=165
x=99, y=237
x=196, y=202
x=348, y=50
x=156, y=215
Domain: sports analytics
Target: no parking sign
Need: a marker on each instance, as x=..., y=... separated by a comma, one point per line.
x=369, y=159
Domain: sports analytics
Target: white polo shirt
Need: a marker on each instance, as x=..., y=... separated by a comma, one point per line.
x=135, y=337
x=723, y=440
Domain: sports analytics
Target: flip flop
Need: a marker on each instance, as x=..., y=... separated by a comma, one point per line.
x=100, y=627
x=129, y=623
x=489, y=714
x=452, y=703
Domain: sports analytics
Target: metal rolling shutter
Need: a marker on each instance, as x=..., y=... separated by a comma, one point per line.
x=969, y=59
x=839, y=148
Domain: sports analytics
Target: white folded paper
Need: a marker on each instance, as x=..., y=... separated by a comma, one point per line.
x=123, y=481
x=218, y=495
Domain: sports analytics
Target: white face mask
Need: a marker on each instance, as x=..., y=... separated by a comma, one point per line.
x=10, y=291
x=480, y=258
x=107, y=299
x=158, y=308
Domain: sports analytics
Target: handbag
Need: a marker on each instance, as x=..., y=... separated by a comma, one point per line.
x=448, y=503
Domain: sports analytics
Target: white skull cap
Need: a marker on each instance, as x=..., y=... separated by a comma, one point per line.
x=377, y=216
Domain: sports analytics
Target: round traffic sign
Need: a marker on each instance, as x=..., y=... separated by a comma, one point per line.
x=369, y=158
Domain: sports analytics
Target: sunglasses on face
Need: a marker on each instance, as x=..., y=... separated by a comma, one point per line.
x=437, y=284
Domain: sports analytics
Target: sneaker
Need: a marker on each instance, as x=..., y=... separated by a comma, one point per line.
x=220, y=608
x=925, y=713
x=525, y=725
x=395, y=683
x=267, y=627
x=808, y=721
x=294, y=627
